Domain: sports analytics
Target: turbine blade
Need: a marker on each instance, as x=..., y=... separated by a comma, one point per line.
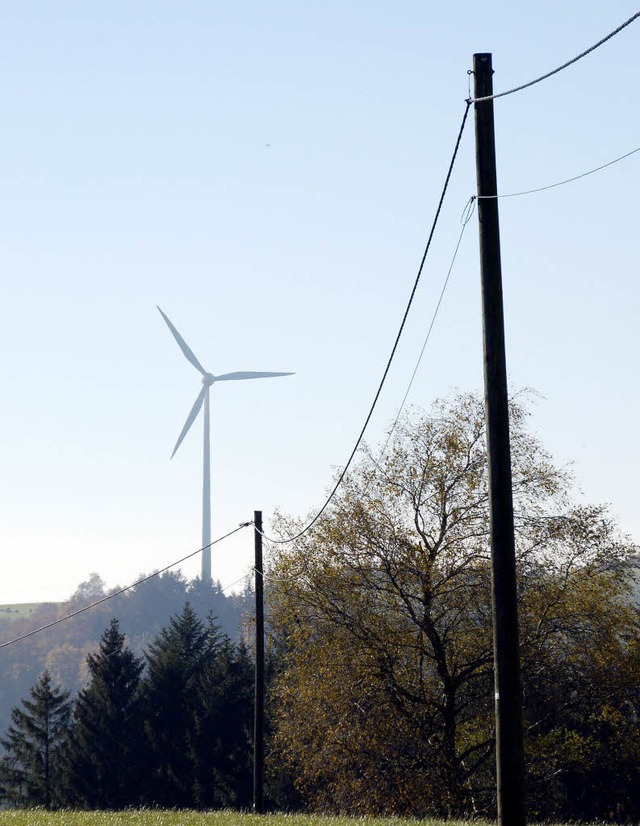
x=249, y=375
x=183, y=345
x=191, y=417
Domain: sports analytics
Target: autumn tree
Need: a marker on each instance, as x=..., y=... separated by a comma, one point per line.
x=384, y=612
x=30, y=769
x=581, y=656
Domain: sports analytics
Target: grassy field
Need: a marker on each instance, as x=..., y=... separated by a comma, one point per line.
x=21, y=610
x=156, y=817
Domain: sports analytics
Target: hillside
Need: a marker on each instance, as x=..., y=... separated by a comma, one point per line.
x=63, y=648
x=24, y=610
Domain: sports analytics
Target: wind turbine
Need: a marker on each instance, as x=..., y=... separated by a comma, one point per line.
x=208, y=379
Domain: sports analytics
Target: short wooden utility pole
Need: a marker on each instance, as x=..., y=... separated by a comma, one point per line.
x=508, y=687
x=258, y=720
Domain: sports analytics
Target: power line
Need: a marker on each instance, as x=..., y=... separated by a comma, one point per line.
x=395, y=345
x=560, y=68
x=466, y=217
x=562, y=183
x=127, y=588
x=240, y=579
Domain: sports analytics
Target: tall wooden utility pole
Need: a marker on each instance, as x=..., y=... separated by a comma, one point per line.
x=258, y=720
x=508, y=687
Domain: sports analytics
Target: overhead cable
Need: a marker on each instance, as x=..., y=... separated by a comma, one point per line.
x=561, y=183
x=394, y=348
x=560, y=68
x=127, y=588
x=466, y=217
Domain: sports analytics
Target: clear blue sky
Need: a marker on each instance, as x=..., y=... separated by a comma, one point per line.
x=267, y=174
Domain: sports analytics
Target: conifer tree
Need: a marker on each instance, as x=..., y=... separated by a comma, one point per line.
x=105, y=747
x=224, y=770
x=30, y=770
x=176, y=663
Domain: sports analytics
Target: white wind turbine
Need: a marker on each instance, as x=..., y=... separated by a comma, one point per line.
x=203, y=397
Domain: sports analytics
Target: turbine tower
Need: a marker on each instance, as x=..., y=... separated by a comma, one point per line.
x=208, y=379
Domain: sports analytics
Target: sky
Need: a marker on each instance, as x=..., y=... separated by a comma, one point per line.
x=267, y=173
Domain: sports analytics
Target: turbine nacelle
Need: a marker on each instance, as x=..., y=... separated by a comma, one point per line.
x=208, y=379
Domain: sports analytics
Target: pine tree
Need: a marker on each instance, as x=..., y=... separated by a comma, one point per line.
x=105, y=748
x=30, y=771
x=176, y=663
x=224, y=769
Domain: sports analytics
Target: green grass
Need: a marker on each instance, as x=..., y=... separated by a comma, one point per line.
x=21, y=610
x=160, y=817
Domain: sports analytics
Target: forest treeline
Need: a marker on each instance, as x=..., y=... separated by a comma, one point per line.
x=141, y=611
x=171, y=728
x=380, y=689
